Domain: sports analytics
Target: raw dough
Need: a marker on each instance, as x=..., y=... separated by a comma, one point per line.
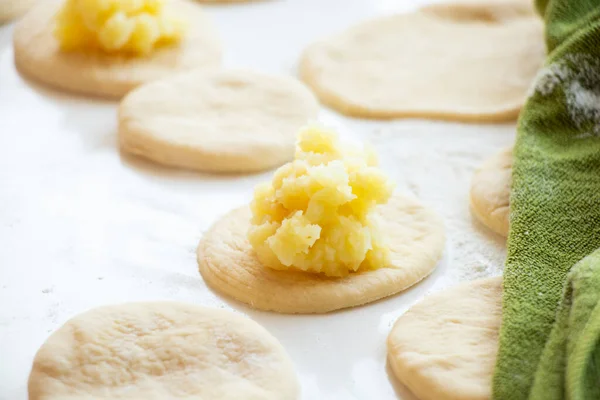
x=37, y=55
x=469, y=62
x=231, y=121
x=227, y=263
x=10, y=9
x=444, y=348
x=159, y=351
x=490, y=192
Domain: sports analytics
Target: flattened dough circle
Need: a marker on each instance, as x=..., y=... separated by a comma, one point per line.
x=467, y=62
x=445, y=347
x=158, y=351
x=11, y=9
x=490, y=192
x=223, y=121
x=37, y=54
x=228, y=264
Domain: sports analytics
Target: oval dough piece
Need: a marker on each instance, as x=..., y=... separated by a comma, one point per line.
x=37, y=54
x=490, y=192
x=444, y=348
x=227, y=121
x=228, y=264
x=159, y=351
x=11, y=9
x=470, y=62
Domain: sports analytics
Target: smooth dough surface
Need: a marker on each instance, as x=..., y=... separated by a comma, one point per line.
x=469, y=62
x=11, y=9
x=490, y=192
x=159, y=351
x=38, y=55
x=416, y=238
x=223, y=121
x=445, y=347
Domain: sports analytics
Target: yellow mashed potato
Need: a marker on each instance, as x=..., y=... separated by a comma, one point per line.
x=317, y=213
x=116, y=26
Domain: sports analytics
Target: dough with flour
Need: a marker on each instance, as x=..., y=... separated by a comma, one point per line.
x=415, y=236
x=444, y=348
x=222, y=121
x=11, y=9
x=468, y=62
x=490, y=192
x=38, y=55
x=162, y=350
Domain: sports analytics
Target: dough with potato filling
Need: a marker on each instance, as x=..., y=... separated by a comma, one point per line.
x=317, y=215
x=126, y=26
x=39, y=55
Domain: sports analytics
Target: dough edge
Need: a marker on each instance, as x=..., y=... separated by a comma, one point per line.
x=497, y=219
x=419, y=385
x=385, y=287
x=242, y=322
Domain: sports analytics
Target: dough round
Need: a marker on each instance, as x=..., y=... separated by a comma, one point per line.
x=228, y=264
x=229, y=121
x=469, y=62
x=158, y=351
x=38, y=55
x=444, y=348
x=11, y=9
x=490, y=192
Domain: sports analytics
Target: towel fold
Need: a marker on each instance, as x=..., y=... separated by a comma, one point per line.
x=550, y=335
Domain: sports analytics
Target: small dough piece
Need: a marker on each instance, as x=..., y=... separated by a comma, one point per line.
x=159, y=351
x=11, y=9
x=415, y=235
x=490, y=192
x=38, y=55
x=445, y=347
x=465, y=62
x=221, y=121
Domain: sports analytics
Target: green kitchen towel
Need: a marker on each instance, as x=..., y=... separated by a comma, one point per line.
x=550, y=335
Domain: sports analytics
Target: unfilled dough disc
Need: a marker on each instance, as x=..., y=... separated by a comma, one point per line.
x=229, y=265
x=160, y=351
x=444, y=348
x=10, y=9
x=229, y=121
x=469, y=62
x=37, y=54
x=490, y=192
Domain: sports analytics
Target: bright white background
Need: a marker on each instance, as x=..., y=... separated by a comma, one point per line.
x=82, y=225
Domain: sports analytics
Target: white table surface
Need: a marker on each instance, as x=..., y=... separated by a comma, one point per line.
x=82, y=225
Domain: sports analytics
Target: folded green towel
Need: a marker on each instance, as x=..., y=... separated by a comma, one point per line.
x=550, y=335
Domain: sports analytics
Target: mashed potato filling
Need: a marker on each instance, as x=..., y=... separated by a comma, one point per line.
x=317, y=215
x=116, y=26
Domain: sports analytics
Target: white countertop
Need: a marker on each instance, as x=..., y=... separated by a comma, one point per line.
x=83, y=226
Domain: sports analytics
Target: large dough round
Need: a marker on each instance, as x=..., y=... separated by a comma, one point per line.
x=38, y=55
x=11, y=9
x=228, y=264
x=470, y=62
x=444, y=348
x=159, y=351
x=490, y=192
x=230, y=121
